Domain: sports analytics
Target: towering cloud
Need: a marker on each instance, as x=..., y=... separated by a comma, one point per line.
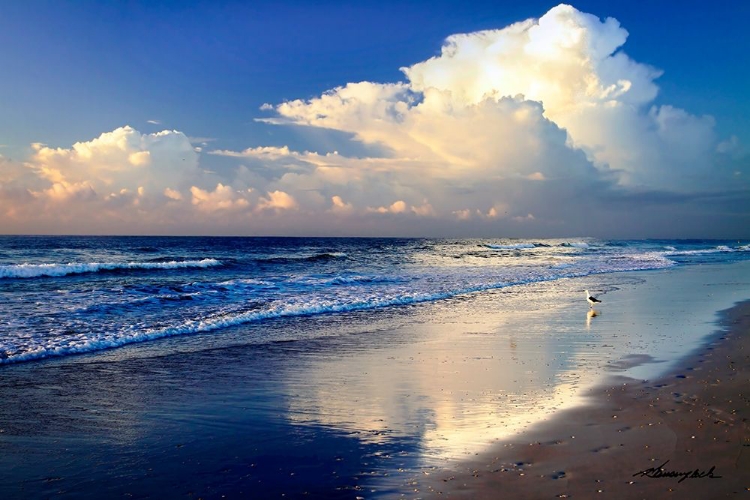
x=468, y=105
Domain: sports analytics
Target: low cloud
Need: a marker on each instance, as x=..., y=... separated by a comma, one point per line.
x=277, y=201
x=123, y=158
x=222, y=198
x=338, y=205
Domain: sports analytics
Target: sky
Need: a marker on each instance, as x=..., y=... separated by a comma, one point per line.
x=617, y=119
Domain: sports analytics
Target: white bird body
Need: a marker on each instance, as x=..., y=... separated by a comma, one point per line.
x=591, y=299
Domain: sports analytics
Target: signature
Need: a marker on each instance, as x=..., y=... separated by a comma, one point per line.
x=656, y=472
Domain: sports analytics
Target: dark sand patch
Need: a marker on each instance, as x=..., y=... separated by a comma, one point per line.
x=629, y=361
x=694, y=420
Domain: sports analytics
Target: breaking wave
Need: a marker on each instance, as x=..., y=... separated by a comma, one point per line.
x=56, y=270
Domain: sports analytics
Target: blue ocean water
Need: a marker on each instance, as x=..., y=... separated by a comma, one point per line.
x=63, y=296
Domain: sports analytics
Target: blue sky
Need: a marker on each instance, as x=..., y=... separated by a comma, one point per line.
x=72, y=71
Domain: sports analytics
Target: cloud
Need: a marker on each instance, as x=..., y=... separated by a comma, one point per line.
x=202, y=141
x=172, y=194
x=400, y=207
x=262, y=152
x=397, y=207
x=471, y=159
x=277, y=200
x=222, y=198
x=470, y=105
x=424, y=210
x=139, y=159
x=123, y=158
x=544, y=127
x=566, y=59
x=340, y=206
x=64, y=191
x=113, y=183
x=464, y=214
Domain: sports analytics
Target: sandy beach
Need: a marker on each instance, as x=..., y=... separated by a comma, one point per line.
x=683, y=435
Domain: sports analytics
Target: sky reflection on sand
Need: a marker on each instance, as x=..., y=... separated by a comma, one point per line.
x=479, y=370
x=474, y=372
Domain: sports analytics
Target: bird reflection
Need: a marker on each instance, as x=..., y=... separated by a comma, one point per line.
x=591, y=314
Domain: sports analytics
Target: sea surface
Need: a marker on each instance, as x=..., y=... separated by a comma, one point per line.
x=65, y=296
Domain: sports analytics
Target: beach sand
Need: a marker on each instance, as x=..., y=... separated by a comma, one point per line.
x=631, y=435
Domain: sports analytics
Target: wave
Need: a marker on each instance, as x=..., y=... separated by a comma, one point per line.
x=355, y=280
x=522, y=246
x=56, y=270
x=702, y=251
x=302, y=258
x=348, y=279
x=637, y=262
x=517, y=246
x=78, y=345
x=539, y=244
x=575, y=244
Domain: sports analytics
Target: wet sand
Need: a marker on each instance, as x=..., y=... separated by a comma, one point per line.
x=632, y=439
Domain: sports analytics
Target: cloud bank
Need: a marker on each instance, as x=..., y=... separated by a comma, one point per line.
x=545, y=127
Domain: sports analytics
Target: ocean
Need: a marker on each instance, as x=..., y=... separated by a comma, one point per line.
x=64, y=296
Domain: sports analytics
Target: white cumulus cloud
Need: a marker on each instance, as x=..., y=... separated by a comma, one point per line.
x=277, y=200
x=123, y=158
x=476, y=104
x=221, y=198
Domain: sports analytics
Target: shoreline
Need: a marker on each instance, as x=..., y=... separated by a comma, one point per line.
x=632, y=438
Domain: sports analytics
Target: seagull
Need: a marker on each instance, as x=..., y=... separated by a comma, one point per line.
x=592, y=300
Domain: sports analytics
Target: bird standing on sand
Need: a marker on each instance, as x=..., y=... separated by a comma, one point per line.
x=592, y=300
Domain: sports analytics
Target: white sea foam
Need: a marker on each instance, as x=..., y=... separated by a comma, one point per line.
x=701, y=251
x=639, y=262
x=576, y=244
x=79, y=344
x=518, y=246
x=56, y=270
